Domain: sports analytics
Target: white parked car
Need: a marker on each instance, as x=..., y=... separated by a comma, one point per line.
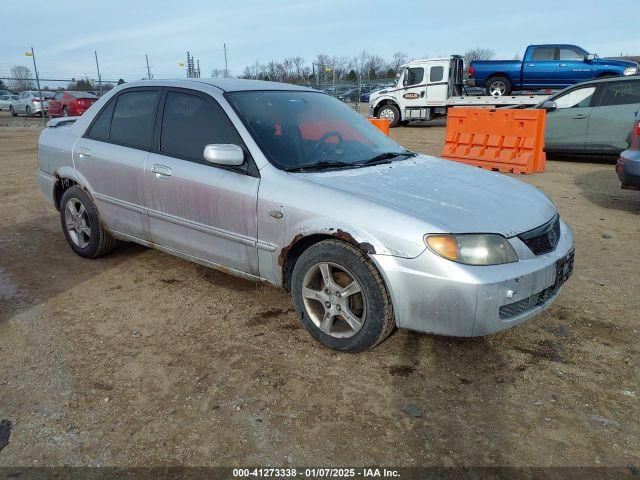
x=30, y=103
x=6, y=100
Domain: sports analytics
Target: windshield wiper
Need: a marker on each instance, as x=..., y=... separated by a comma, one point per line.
x=320, y=166
x=386, y=157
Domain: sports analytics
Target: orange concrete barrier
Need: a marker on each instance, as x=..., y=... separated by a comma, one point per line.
x=506, y=140
x=382, y=124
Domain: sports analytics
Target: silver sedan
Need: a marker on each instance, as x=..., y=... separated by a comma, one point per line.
x=289, y=186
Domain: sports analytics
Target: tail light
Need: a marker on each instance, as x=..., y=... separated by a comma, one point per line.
x=472, y=71
x=35, y=100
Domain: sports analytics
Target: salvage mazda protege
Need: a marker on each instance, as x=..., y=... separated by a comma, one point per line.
x=288, y=185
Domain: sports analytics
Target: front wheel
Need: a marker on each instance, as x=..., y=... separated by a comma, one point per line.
x=340, y=297
x=391, y=113
x=498, y=86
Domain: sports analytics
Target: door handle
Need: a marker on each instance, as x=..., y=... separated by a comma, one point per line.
x=562, y=65
x=161, y=171
x=531, y=65
x=580, y=117
x=84, y=152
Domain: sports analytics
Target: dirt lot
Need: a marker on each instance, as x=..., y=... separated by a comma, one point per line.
x=140, y=358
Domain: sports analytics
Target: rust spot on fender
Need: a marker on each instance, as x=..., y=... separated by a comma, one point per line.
x=347, y=237
x=341, y=234
x=285, y=250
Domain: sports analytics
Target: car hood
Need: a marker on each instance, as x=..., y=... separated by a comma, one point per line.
x=452, y=197
x=615, y=62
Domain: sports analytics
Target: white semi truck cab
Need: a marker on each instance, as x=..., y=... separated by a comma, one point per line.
x=427, y=88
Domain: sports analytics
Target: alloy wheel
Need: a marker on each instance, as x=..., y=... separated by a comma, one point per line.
x=334, y=300
x=77, y=222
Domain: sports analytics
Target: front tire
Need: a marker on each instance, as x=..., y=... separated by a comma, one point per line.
x=340, y=297
x=391, y=113
x=82, y=226
x=498, y=86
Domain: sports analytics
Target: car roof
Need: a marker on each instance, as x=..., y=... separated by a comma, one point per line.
x=224, y=84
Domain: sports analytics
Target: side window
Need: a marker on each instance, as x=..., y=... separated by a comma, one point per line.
x=569, y=53
x=414, y=76
x=620, y=93
x=543, y=53
x=100, y=128
x=578, y=98
x=134, y=118
x=190, y=122
x=436, y=74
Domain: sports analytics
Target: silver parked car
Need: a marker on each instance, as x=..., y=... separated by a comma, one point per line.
x=30, y=103
x=6, y=100
x=288, y=185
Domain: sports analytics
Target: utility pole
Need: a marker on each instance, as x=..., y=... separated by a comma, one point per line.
x=148, y=69
x=35, y=68
x=99, y=77
x=226, y=67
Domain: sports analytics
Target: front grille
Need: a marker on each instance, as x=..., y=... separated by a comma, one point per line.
x=523, y=306
x=543, y=239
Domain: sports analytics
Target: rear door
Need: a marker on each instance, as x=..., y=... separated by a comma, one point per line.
x=572, y=67
x=112, y=155
x=437, y=84
x=610, y=123
x=566, y=127
x=197, y=208
x=540, y=69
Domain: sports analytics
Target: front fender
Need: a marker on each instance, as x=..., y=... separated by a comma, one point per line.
x=376, y=103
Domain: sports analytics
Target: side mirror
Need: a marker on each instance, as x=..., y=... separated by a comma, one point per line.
x=590, y=57
x=549, y=105
x=224, y=154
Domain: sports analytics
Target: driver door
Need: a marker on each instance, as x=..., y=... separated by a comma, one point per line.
x=414, y=89
x=566, y=126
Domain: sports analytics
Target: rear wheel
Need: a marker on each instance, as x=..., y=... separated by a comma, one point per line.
x=391, y=113
x=498, y=86
x=340, y=297
x=82, y=226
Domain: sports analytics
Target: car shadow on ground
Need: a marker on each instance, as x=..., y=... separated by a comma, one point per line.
x=603, y=189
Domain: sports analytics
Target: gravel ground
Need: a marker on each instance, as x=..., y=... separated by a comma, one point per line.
x=140, y=358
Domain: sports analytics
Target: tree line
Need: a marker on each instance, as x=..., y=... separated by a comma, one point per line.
x=334, y=68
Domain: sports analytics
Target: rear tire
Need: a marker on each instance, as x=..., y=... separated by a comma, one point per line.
x=498, y=86
x=82, y=226
x=350, y=312
x=391, y=113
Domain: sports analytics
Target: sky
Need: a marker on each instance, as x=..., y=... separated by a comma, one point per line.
x=66, y=33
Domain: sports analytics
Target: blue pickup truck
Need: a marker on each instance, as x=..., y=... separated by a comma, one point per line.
x=545, y=66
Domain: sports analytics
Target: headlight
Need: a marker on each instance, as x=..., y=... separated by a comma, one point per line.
x=630, y=71
x=472, y=249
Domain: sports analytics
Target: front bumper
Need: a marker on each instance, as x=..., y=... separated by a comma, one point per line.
x=434, y=295
x=628, y=168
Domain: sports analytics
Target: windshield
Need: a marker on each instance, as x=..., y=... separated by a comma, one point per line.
x=310, y=129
